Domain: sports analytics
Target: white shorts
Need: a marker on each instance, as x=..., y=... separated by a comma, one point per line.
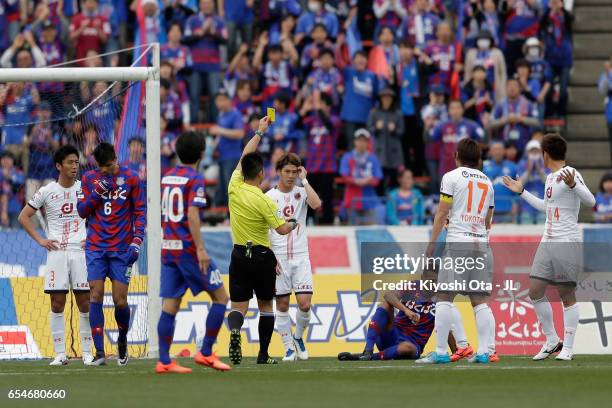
x=558, y=262
x=296, y=276
x=65, y=270
x=471, y=269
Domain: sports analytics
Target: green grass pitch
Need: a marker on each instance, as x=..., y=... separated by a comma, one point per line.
x=321, y=382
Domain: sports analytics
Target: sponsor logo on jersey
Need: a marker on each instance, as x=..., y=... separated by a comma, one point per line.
x=549, y=192
x=67, y=208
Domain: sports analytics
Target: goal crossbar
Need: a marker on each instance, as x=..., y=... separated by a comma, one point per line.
x=150, y=75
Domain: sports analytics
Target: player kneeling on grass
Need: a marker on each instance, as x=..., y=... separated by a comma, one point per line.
x=405, y=335
x=113, y=203
x=65, y=258
x=291, y=250
x=185, y=262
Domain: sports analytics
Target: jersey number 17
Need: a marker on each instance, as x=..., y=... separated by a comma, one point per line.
x=484, y=187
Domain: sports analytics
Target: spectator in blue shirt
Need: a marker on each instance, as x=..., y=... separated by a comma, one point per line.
x=532, y=174
x=284, y=131
x=230, y=132
x=316, y=14
x=603, y=200
x=605, y=88
x=496, y=168
x=11, y=191
x=540, y=70
x=360, y=90
x=405, y=204
x=238, y=16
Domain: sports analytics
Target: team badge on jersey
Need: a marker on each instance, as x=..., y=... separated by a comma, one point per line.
x=297, y=195
x=120, y=181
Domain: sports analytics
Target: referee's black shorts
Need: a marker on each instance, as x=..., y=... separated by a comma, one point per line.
x=252, y=274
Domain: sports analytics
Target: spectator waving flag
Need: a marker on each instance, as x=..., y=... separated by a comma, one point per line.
x=132, y=116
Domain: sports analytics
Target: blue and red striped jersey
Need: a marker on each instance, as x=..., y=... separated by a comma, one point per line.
x=421, y=303
x=181, y=187
x=116, y=219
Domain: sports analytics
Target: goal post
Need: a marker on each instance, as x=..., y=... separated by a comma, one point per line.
x=150, y=75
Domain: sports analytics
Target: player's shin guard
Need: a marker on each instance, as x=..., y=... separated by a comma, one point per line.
x=390, y=353
x=377, y=325
x=302, y=320
x=96, y=321
x=235, y=319
x=483, y=316
x=283, y=325
x=85, y=330
x=214, y=320
x=56, y=321
x=457, y=328
x=165, y=332
x=571, y=316
x=545, y=317
x=444, y=321
x=122, y=316
x=266, y=327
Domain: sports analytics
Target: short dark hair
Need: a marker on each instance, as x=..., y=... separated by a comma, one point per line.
x=283, y=97
x=468, y=153
x=189, y=147
x=104, y=153
x=252, y=164
x=521, y=62
x=327, y=99
x=66, y=150
x=319, y=25
x=555, y=146
x=326, y=51
x=288, y=159
x=275, y=48
x=360, y=52
x=406, y=43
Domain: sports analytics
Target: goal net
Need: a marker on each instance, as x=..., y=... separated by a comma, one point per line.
x=40, y=110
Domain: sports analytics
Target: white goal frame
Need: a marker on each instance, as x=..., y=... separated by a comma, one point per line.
x=151, y=76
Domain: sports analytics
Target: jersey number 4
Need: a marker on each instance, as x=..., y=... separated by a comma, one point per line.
x=170, y=211
x=484, y=187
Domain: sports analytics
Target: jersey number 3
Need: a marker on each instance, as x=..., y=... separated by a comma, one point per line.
x=485, y=189
x=170, y=211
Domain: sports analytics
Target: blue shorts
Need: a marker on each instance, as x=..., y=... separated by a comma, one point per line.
x=394, y=337
x=177, y=276
x=108, y=264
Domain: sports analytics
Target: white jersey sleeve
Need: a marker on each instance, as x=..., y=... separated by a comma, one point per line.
x=563, y=206
x=291, y=205
x=64, y=224
x=470, y=193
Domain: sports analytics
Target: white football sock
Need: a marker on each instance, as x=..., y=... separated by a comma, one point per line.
x=283, y=325
x=302, y=320
x=458, y=329
x=492, y=333
x=85, y=330
x=571, y=315
x=444, y=321
x=57, y=332
x=545, y=317
x=483, y=315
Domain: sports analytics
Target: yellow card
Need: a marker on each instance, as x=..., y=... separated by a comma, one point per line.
x=271, y=114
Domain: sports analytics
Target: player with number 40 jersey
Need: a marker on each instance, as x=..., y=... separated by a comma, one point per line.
x=185, y=261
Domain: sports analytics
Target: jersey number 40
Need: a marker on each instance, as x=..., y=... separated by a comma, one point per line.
x=173, y=207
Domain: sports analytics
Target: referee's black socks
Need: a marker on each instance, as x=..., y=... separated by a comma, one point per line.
x=266, y=328
x=235, y=320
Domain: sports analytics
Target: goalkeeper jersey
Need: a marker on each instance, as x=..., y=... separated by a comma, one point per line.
x=116, y=219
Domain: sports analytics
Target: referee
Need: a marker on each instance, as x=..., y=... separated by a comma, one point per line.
x=253, y=264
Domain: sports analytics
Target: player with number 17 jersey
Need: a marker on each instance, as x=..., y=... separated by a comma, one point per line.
x=183, y=187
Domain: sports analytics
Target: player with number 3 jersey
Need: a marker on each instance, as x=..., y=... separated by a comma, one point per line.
x=185, y=261
x=113, y=203
x=558, y=258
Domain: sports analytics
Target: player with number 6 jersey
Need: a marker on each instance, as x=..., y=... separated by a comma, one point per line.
x=185, y=261
x=558, y=260
x=113, y=203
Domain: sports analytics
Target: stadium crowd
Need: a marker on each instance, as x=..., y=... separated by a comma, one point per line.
x=373, y=95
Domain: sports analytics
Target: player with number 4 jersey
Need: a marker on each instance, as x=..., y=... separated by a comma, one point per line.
x=185, y=261
x=113, y=203
x=558, y=258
